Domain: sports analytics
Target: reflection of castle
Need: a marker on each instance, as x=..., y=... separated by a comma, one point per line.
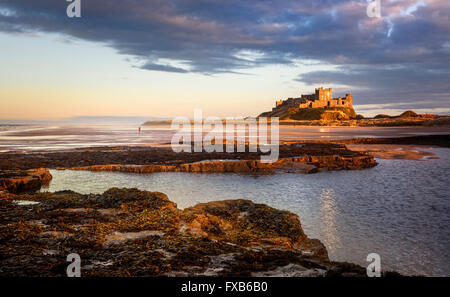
x=321, y=98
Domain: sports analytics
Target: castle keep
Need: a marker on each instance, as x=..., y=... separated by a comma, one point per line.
x=321, y=98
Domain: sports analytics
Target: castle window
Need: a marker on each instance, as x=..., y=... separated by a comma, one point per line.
x=329, y=103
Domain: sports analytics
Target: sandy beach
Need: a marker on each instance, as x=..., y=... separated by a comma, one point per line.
x=68, y=137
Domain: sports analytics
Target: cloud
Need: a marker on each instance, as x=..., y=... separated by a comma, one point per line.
x=407, y=51
x=167, y=68
x=384, y=85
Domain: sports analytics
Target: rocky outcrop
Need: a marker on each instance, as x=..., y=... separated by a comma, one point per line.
x=127, y=232
x=306, y=157
x=408, y=114
x=328, y=156
x=312, y=114
x=346, y=116
x=304, y=164
x=300, y=158
x=23, y=180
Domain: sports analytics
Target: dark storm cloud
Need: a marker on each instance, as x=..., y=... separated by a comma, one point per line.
x=400, y=84
x=407, y=50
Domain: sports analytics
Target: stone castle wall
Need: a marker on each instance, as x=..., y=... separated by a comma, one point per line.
x=321, y=98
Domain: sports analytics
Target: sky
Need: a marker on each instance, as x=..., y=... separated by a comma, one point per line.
x=164, y=58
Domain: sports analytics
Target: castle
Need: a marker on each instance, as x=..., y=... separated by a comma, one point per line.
x=321, y=98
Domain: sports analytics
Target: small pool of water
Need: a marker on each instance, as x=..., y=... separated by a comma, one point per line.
x=25, y=202
x=399, y=209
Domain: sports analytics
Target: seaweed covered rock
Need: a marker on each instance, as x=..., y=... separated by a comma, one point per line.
x=231, y=219
x=128, y=232
x=16, y=181
x=152, y=159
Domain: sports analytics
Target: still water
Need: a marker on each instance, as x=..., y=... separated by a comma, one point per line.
x=400, y=209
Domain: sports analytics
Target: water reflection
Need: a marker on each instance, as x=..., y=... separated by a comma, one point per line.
x=328, y=226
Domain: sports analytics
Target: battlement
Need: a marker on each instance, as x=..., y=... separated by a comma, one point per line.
x=320, y=98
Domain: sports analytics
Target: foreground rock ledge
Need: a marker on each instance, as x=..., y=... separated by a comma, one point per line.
x=304, y=164
x=296, y=157
x=128, y=232
x=15, y=181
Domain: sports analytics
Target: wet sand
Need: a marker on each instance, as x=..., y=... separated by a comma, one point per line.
x=291, y=133
x=68, y=137
x=395, y=151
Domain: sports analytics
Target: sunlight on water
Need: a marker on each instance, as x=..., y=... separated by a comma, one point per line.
x=328, y=227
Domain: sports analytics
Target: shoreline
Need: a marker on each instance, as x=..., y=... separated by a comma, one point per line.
x=44, y=139
x=393, y=121
x=162, y=158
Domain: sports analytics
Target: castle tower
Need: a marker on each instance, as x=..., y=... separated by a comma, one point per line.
x=318, y=93
x=349, y=100
x=323, y=94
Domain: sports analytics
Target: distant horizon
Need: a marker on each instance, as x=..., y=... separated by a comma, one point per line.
x=112, y=118
x=367, y=110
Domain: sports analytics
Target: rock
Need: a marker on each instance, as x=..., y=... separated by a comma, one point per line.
x=307, y=158
x=229, y=219
x=312, y=114
x=299, y=165
x=24, y=180
x=382, y=116
x=408, y=114
x=150, y=159
x=149, y=236
x=291, y=270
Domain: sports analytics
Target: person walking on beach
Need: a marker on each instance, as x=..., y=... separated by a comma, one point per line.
x=139, y=130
